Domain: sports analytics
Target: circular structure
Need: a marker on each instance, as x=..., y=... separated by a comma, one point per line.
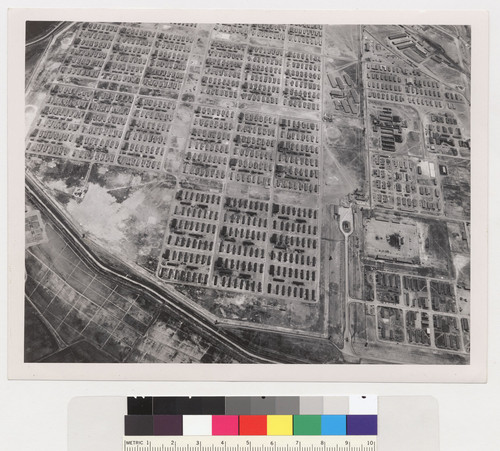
x=346, y=226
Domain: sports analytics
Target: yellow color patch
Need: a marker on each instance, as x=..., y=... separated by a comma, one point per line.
x=280, y=425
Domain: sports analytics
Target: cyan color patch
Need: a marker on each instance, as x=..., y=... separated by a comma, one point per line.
x=333, y=425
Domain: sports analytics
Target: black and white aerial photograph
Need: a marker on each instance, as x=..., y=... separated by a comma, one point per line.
x=247, y=193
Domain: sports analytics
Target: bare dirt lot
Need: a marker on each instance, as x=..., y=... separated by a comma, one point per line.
x=344, y=159
x=258, y=309
x=127, y=211
x=456, y=188
x=392, y=241
x=342, y=42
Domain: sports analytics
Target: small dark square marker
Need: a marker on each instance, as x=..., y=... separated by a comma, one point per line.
x=188, y=406
x=140, y=405
x=213, y=405
x=184, y=405
x=166, y=405
x=138, y=425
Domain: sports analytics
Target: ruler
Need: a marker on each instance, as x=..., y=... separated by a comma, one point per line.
x=251, y=443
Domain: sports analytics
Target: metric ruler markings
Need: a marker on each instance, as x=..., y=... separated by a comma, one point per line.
x=337, y=447
x=242, y=443
x=370, y=445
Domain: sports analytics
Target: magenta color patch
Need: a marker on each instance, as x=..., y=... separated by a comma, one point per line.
x=224, y=424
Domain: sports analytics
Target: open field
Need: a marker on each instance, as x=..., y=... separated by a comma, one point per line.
x=456, y=188
x=94, y=319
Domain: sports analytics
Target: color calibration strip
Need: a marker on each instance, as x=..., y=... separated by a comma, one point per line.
x=252, y=405
x=227, y=425
x=251, y=416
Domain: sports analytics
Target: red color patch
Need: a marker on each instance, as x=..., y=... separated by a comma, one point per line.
x=253, y=424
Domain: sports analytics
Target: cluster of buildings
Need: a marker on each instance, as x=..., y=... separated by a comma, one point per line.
x=427, y=306
x=390, y=324
x=419, y=305
x=208, y=147
x=412, y=307
x=115, y=94
x=445, y=136
x=403, y=184
x=415, y=292
x=447, y=332
x=443, y=297
x=222, y=69
x=302, y=82
x=416, y=50
x=254, y=149
x=418, y=329
x=403, y=85
x=298, y=153
x=262, y=75
x=344, y=93
x=294, y=255
x=188, y=251
x=388, y=287
x=276, y=32
x=243, y=245
x=308, y=34
x=388, y=128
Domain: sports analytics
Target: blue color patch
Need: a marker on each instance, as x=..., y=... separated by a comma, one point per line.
x=333, y=425
x=362, y=425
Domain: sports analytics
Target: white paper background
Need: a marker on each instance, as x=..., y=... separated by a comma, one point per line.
x=475, y=372
x=33, y=414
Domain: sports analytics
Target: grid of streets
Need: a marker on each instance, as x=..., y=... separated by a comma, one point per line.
x=223, y=142
x=124, y=119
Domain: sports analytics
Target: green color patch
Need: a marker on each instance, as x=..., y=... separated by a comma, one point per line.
x=307, y=425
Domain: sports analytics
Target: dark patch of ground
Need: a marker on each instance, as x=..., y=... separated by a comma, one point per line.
x=38, y=341
x=81, y=352
x=289, y=349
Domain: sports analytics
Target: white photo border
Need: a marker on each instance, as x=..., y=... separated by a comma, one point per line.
x=475, y=372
